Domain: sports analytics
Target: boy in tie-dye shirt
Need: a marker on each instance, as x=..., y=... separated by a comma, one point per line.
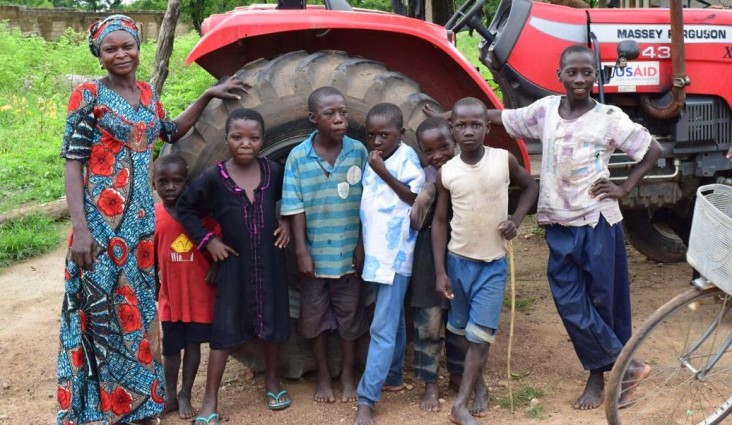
x=578, y=207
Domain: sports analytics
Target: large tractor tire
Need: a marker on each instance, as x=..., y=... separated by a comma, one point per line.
x=652, y=238
x=280, y=89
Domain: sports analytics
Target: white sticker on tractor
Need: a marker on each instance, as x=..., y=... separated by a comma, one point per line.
x=635, y=74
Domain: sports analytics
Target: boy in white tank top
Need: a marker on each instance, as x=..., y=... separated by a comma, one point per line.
x=473, y=276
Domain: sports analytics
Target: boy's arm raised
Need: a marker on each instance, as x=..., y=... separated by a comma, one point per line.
x=401, y=189
x=439, y=239
x=529, y=193
x=304, y=260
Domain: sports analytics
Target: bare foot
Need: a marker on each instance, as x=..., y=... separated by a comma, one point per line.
x=170, y=406
x=462, y=416
x=635, y=374
x=324, y=391
x=349, y=389
x=592, y=397
x=431, y=399
x=363, y=415
x=185, y=410
x=392, y=388
x=479, y=407
x=455, y=381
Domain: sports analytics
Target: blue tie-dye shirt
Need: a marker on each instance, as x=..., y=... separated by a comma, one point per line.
x=387, y=236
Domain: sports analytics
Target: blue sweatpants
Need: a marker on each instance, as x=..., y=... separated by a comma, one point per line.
x=588, y=276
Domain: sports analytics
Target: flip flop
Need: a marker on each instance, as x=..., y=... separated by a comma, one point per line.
x=278, y=404
x=213, y=418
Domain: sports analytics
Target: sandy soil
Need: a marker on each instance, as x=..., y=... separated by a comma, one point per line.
x=542, y=358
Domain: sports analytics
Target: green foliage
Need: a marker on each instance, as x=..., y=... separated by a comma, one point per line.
x=468, y=46
x=146, y=5
x=27, y=3
x=35, y=82
x=384, y=5
x=33, y=94
x=27, y=237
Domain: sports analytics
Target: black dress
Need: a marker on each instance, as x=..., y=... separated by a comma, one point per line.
x=251, y=288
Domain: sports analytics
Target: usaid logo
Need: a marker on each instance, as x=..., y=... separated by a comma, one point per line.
x=635, y=74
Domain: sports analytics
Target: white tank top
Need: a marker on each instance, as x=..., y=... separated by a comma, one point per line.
x=479, y=196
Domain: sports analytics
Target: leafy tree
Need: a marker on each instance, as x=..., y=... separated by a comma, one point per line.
x=146, y=5
x=27, y=3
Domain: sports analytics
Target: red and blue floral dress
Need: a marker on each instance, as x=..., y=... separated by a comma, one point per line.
x=106, y=370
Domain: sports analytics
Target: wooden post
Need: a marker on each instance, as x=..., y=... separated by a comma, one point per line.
x=165, y=45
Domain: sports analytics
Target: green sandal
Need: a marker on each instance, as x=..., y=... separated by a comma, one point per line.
x=213, y=418
x=277, y=399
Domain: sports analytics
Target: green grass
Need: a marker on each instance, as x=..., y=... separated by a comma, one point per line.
x=523, y=304
x=29, y=236
x=468, y=46
x=522, y=398
x=536, y=412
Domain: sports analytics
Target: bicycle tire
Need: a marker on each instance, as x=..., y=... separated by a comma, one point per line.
x=672, y=393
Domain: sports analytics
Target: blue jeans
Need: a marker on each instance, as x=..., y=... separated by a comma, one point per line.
x=428, y=322
x=385, y=359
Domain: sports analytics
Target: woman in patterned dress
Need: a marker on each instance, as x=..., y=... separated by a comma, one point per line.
x=107, y=372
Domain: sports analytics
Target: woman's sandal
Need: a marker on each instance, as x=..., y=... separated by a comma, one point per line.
x=277, y=399
x=213, y=418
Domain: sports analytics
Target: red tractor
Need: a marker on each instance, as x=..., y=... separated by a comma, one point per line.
x=375, y=57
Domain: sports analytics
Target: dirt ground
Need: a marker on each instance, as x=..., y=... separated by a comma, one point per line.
x=543, y=361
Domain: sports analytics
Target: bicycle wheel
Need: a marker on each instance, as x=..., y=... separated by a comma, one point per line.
x=688, y=382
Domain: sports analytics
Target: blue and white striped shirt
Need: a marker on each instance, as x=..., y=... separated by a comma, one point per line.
x=330, y=196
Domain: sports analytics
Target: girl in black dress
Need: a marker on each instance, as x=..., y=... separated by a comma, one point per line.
x=251, y=286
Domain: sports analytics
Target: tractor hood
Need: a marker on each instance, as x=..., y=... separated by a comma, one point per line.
x=257, y=20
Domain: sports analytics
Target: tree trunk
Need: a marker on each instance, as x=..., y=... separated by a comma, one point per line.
x=441, y=10
x=165, y=45
x=56, y=210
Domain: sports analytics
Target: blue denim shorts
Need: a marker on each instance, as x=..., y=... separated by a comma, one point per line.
x=479, y=288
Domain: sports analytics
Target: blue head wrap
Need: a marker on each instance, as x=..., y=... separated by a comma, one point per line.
x=101, y=29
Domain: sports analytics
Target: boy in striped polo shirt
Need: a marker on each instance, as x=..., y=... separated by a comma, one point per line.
x=322, y=193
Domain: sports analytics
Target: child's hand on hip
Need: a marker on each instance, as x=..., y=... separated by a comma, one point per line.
x=604, y=188
x=508, y=229
x=219, y=251
x=443, y=287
